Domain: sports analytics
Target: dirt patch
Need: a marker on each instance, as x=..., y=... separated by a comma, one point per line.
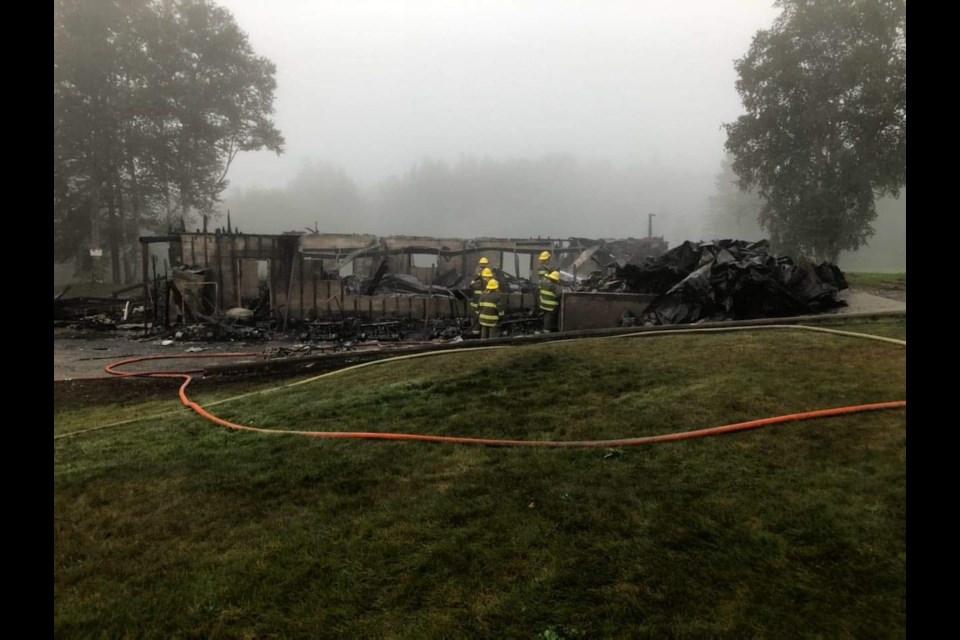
x=889, y=291
x=85, y=354
x=82, y=393
x=865, y=301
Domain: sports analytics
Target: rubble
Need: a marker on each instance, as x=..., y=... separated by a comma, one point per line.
x=391, y=283
x=604, y=253
x=92, y=310
x=522, y=323
x=512, y=284
x=355, y=329
x=724, y=280
x=289, y=287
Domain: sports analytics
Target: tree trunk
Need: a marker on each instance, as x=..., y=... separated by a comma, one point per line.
x=113, y=235
x=133, y=229
x=123, y=235
x=166, y=196
x=96, y=262
x=185, y=212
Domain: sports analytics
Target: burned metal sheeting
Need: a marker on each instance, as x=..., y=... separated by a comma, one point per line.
x=740, y=280
x=448, y=284
x=192, y=293
x=390, y=283
x=604, y=253
x=726, y=279
x=658, y=275
x=510, y=282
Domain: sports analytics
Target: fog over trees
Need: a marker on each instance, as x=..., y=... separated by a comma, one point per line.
x=469, y=119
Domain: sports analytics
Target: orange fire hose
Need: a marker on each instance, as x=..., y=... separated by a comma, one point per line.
x=623, y=442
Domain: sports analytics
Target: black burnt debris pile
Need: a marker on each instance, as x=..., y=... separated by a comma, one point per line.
x=604, y=253
x=222, y=331
x=724, y=280
x=122, y=309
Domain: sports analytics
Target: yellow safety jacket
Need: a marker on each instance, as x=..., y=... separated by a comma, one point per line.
x=479, y=286
x=550, y=293
x=490, y=308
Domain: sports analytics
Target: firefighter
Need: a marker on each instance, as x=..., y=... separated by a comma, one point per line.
x=540, y=280
x=483, y=264
x=478, y=286
x=544, y=269
x=491, y=308
x=550, y=296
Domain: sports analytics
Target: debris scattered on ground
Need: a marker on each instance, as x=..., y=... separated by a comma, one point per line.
x=724, y=280
x=628, y=319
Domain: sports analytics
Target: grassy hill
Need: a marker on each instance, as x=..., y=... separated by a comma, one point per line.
x=174, y=526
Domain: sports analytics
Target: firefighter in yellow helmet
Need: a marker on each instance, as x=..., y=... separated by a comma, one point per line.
x=491, y=308
x=550, y=296
x=544, y=269
x=478, y=286
x=483, y=264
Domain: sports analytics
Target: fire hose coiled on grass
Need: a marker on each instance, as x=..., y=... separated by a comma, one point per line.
x=623, y=442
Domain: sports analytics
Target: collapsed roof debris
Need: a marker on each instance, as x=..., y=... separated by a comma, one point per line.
x=341, y=289
x=390, y=283
x=604, y=253
x=118, y=311
x=726, y=279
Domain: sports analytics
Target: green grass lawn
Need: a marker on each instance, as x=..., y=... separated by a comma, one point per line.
x=881, y=280
x=176, y=527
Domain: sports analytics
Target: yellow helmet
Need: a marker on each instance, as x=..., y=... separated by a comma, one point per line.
x=545, y=255
x=493, y=285
x=555, y=276
x=486, y=273
x=483, y=260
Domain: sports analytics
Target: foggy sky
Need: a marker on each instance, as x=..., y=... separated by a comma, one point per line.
x=376, y=86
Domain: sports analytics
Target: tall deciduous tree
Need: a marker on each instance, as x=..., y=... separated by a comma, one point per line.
x=824, y=132
x=153, y=100
x=732, y=212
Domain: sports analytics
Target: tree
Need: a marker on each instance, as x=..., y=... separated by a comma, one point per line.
x=824, y=132
x=153, y=99
x=732, y=212
x=218, y=100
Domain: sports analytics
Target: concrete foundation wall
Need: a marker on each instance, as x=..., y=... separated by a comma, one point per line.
x=596, y=310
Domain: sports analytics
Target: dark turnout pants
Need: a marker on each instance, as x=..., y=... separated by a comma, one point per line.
x=550, y=320
x=488, y=332
x=475, y=321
